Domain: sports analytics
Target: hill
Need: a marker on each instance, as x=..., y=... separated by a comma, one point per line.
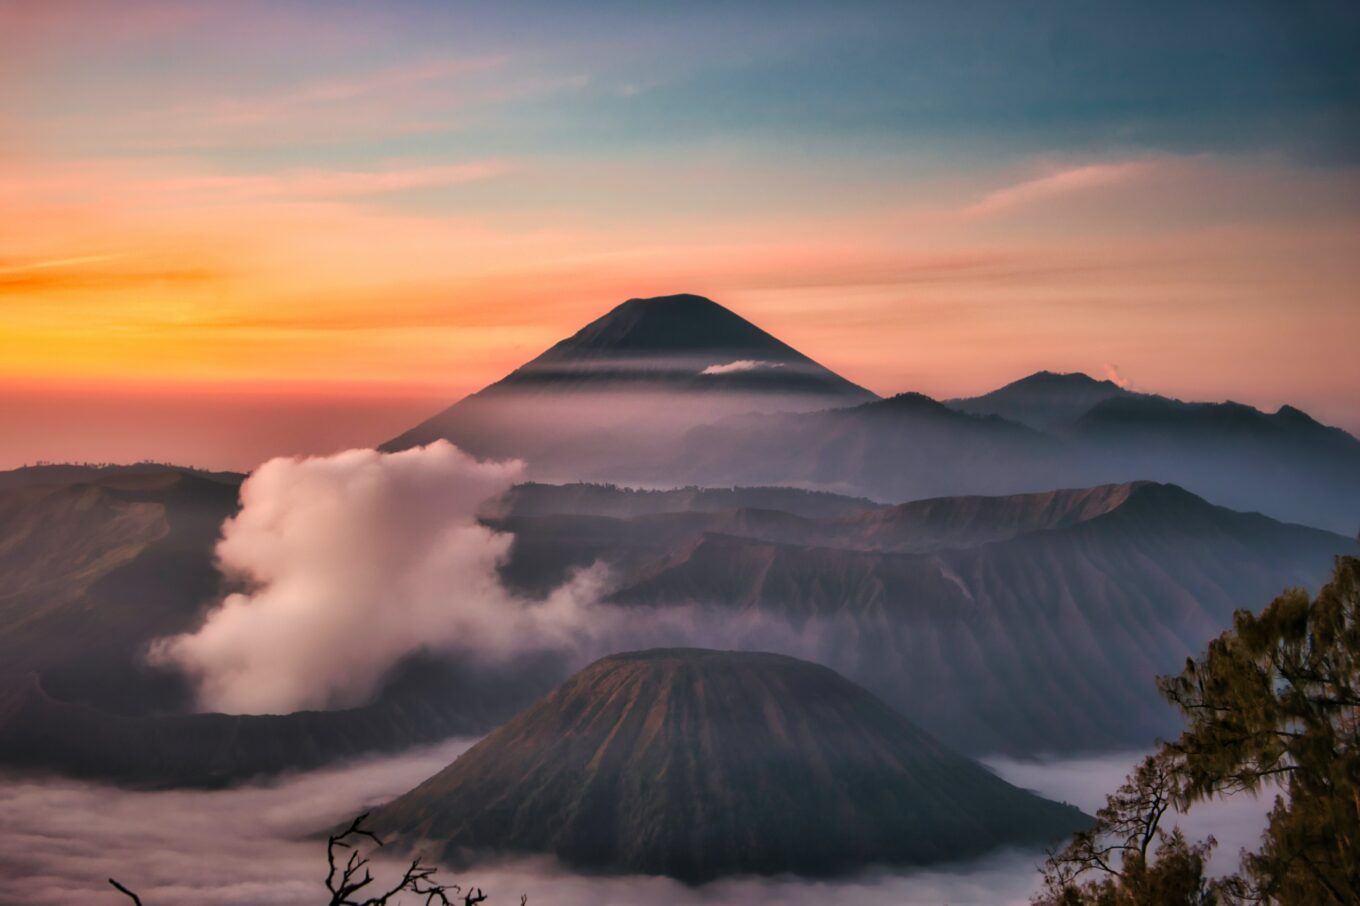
x=1044, y=400
x=699, y=764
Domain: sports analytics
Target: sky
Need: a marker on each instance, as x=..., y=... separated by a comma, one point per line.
x=233, y=231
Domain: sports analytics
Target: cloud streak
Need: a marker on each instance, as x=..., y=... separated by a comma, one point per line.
x=388, y=83
x=331, y=183
x=1055, y=185
x=740, y=366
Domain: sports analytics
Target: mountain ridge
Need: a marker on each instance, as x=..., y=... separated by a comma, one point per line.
x=1042, y=400
x=1051, y=613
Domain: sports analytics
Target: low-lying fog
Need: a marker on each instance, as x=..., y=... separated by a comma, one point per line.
x=60, y=840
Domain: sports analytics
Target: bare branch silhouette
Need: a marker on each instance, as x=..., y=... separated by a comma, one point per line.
x=346, y=881
x=123, y=890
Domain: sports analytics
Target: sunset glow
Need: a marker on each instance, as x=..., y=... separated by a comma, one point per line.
x=265, y=210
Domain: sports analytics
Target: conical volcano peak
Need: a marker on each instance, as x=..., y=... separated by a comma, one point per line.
x=678, y=324
x=680, y=342
x=629, y=383
x=698, y=764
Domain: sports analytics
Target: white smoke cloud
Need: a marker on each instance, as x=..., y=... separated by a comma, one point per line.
x=740, y=365
x=352, y=562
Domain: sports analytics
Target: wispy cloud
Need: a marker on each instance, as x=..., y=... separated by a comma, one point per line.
x=331, y=183
x=396, y=85
x=1054, y=185
x=53, y=264
x=740, y=366
x=168, y=182
x=97, y=272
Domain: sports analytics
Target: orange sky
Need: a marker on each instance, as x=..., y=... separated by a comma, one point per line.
x=230, y=268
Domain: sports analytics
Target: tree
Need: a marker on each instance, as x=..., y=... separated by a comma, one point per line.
x=1274, y=702
x=1127, y=858
x=349, y=881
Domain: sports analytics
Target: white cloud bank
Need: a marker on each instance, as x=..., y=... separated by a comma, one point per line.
x=739, y=366
x=61, y=839
x=350, y=563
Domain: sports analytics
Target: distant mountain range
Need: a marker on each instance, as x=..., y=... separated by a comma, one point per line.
x=1025, y=624
x=698, y=764
x=678, y=390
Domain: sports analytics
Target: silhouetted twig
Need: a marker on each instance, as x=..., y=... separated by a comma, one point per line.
x=123, y=890
x=345, y=882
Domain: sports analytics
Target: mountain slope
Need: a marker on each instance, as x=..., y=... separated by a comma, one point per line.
x=966, y=521
x=698, y=764
x=91, y=572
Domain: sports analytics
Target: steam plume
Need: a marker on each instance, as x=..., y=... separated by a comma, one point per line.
x=1113, y=376
x=352, y=562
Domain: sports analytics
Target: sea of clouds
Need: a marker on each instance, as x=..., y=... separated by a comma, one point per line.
x=60, y=840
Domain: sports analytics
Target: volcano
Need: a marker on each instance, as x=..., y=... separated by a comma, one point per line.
x=699, y=764
x=630, y=383
x=682, y=342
